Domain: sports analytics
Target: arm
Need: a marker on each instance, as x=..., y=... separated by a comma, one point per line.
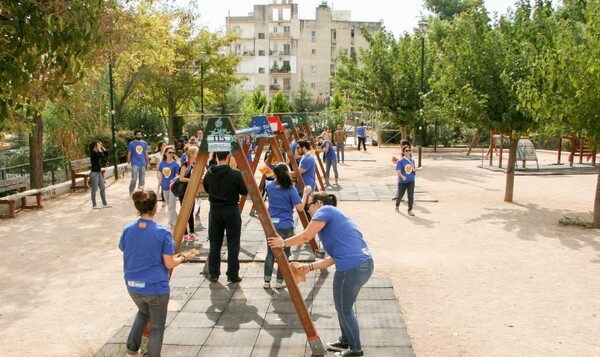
x=171, y=261
x=401, y=176
x=307, y=190
x=306, y=235
x=321, y=264
x=147, y=159
x=128, y=157
x=182, y=171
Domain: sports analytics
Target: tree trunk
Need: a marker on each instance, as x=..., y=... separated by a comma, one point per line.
x=171, y=118
x=36, y=153
x=510, y=168
x=596, y=222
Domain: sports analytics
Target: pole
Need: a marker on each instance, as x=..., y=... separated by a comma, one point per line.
x=112, y=120
x=202, y=93
x=421, y=103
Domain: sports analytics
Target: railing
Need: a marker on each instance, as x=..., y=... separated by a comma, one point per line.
x=55, y=170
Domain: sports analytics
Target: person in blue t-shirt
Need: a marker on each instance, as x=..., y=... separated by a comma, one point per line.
x=347, y=249
x=168, y=169
x=148, y=254
x=405, y=167
x=283, y=198
x=307, y=165
x=362, y=135
x=137, y=157
x=294, y=147
x=330, y=159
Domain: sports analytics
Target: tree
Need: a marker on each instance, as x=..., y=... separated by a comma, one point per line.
x=446, y=9
x=43, y=49
x=302, y=99
x=256, y=104
x=279, y=104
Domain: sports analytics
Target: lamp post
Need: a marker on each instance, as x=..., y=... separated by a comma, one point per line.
x=202, y=55
x=423, y=28
x=112, y=120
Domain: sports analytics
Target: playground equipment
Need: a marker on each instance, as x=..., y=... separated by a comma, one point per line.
x=578, y=148
x=220, y=135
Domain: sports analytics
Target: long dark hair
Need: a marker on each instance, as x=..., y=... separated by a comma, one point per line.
x=144, y=201
x=282, y=174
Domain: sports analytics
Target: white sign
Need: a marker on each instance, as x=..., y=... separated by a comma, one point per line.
x=218, y=142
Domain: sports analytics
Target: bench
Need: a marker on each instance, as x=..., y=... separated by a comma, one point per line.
x=18, y=185
x=81, y=169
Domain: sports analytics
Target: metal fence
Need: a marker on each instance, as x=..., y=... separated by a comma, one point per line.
x=55, y=170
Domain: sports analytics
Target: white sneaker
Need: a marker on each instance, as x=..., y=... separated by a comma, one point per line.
x=106, y=206
x=266, y=285
x=280, y=285
x=96, y=207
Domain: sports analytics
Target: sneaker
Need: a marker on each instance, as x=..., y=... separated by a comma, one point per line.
x=280, y=285
x=188, y=238
x=235, y=279
x=348, y=353
x=211, y=278
x=397, y=209
x=106, y=206
x=197, y=217
x=337, y=346
x=410, y=213
x=266, y=285
x=96, y=207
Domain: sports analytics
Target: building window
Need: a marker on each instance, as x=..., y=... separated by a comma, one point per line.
x=261, y=52
x=237, y=29
x=333, y=35
x=313, y=69
x=275, y=48
x=237, y=49
x=314, y=36
x=275, y=14
x=261, y=70
x=287, y=14
x=332, y=69
x=287, y=49
x=274, y=29
x=313, y=85
x=261, y=35
x=286, y=29
x=314, y=51
x=261, y=87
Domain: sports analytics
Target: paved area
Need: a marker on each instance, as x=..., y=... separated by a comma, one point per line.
x=243, y=319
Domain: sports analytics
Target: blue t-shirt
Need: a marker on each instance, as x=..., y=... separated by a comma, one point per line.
x=330, y=155
x=169, y=172
x=361, y=131
x=138, y=150
x=294, y=146
x=407, y=166
x=250, y=150
x=341, y=238
x=143, y=244
x=308, y=163
x=281, y=204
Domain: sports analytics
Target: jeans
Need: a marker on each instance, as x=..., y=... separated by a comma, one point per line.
x=346, y=286
x=328, y=164
x=97, y=182
x=363, y=141
x=270, y=259
x=403, y=187
x=137, y=171
x=153, y=308
x=340, y=147
x=223, y=220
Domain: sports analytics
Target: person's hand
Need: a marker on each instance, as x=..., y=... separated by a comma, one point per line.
x=189, y=255
x=307, y=189
x=148, y=166
x=275, y=242
x=304, y=268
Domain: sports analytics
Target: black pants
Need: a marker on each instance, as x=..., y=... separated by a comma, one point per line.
x=191, y=219
x=406, y=187
x=223, y=220
x=363, y=141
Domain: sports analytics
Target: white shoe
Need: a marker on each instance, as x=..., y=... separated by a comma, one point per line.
x=106, y=206
x=280, y=285
x=266, y=285
x=96, y=207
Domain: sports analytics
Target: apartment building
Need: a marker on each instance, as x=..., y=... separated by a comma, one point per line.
x=278, y=48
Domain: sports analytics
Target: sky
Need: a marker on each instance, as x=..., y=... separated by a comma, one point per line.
x=398, y=16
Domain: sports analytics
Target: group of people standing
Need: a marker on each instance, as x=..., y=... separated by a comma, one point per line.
x=149, y=250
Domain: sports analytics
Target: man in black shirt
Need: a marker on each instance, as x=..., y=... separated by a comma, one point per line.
x=224, y=186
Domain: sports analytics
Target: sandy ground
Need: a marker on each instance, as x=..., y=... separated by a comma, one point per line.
x=474, y=275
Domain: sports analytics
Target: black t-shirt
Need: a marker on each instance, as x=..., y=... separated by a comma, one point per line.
x=97, y=159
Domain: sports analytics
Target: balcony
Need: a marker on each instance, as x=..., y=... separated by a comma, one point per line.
x=285, y=69
x=280, y=35
x=248, y=53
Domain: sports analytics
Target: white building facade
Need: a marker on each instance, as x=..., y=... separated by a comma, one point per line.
x=277, y=47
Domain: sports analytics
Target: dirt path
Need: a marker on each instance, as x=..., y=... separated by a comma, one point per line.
x=475, y=276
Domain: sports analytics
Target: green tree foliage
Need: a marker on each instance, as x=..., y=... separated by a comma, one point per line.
x=256, y=104
x=302, y=99
x=446, y=9
x=279, y=104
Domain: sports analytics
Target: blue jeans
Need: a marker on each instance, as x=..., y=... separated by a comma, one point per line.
x=346, y=286
x=153, y=308
x=404, y=187
x=270, y=259
x=97, y=182
x=328, y=164
x=137, y=171
x=340, y=147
